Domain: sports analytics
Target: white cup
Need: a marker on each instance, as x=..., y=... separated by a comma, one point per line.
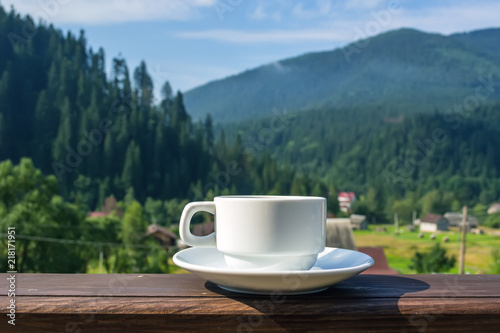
x=262, y=232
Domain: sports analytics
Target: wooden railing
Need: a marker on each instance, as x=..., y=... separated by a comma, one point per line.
x=175, y=303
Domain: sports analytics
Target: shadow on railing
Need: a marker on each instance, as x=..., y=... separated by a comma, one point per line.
x=280, y=311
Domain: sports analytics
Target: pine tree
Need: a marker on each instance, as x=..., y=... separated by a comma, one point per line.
x=45, y=131
x=209, y=133
x=64, y=133
x=144, y=85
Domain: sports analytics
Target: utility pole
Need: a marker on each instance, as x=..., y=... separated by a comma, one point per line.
x=414, y=217
x=462, y=245
x=396, y=223
x=100, y=261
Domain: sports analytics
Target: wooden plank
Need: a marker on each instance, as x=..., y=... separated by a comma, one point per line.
x=260, y=323
x=108, y=284
x=164, y=303
x=188, y=285
x=285, y=306
x=203, y=323
x=133, y=314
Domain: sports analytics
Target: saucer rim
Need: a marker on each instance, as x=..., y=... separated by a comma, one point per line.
x=252, y=272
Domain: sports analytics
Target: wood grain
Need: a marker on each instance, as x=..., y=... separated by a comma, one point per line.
x=173, y=303
x=436, y=285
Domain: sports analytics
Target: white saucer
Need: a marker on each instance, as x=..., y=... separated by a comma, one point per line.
x=333, y=265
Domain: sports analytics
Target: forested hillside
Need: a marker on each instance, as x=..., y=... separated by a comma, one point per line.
x=60, y=108
x=392, y=157
x=102, y=135
x=411, y=123
x=405, y=70
x=71, y=136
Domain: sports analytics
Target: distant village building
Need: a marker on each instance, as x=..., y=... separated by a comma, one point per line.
x=433, y=223
x=359, y=222
x=110, y=206
x=494, y=209
x=165, y=237
x=346, y=200
x=455, y=220
x=198, y=229
x=96, y=214
x=203, y=229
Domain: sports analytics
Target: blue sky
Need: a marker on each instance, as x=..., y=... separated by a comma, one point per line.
x=191, y=42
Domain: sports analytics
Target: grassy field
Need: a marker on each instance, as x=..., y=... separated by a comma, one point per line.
x=399, y=249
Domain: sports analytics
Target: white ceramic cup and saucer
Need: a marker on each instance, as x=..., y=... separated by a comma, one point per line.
x=276, y=233
x=264, y=244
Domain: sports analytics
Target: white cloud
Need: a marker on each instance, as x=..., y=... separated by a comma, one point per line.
x=261, y=13
x=322, y=8
x=105, y=12
x=450, y=19
x=273, y=36
x=279, y=67
x=197, y=75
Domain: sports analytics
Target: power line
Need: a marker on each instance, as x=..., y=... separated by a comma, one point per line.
x=79, y=227
x=80, y=242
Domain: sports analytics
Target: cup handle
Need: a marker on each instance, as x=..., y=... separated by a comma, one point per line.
x=187, y=214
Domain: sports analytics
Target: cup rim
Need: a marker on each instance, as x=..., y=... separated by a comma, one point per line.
x=270, y=197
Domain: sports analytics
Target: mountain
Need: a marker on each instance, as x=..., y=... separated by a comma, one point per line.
x=103, y=136
x=406, y=156
x=486, y=40
x=404, y=70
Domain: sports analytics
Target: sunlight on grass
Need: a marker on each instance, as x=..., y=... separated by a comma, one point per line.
x=399, y=249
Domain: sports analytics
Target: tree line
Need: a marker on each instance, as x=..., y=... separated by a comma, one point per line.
x=102, y=135
x=72, y=135
x=394, y=161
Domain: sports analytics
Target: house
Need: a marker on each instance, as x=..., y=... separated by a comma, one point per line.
x=359, y=222
x=199, y=229
x=433, y=223
x=346, y=200
x=203, y=229
x=96, y=214
x=494, y=209
x=165, y=237
x=455, y=220
x=110, y=206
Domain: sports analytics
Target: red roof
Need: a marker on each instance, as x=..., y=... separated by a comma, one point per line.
x=431, y=218
x=96, y=214
x=349, y=195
